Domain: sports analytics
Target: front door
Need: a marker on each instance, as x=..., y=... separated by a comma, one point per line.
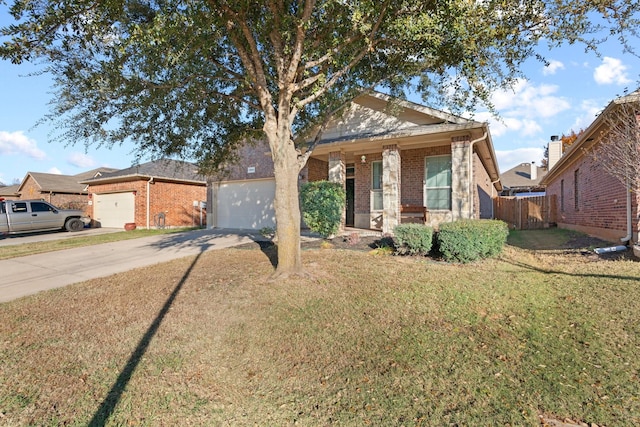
x=351, y=191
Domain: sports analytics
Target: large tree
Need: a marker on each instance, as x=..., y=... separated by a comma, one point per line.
x=195, y=78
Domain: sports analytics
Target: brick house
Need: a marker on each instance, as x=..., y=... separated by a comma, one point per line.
x=63, y=191
x=588, y=198
x=163, y=193
x=389, y=155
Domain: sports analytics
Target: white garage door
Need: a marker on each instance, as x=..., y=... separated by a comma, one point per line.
x=246, y=205
x=114, y=210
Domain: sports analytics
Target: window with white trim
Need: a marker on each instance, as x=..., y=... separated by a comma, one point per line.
x=376, y=186
x=438, y=182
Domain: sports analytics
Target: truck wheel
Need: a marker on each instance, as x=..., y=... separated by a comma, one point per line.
x=74, y=224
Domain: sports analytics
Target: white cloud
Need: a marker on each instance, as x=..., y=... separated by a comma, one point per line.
x=55, y=170
x=589, y=110
x=81, y=160
x=12, y=143
x=530, y=101
x=508, y=159
x=552, y=68
x=611, y=71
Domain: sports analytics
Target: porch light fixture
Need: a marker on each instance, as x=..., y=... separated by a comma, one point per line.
x=363, y=159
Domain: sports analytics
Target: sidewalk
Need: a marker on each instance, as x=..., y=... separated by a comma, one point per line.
x=34, y=273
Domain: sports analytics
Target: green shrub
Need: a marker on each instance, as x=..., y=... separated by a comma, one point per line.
x=322, y=205
x=413, y=239
x=469, y=240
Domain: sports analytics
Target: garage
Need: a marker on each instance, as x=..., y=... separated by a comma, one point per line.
x=114, y=210
x=245, y=204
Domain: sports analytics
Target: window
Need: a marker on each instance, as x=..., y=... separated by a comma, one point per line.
x=40, y=207
x=376, y=186
x=19, y=207
x=562, y=195
x=576, y=188
x=438, y=182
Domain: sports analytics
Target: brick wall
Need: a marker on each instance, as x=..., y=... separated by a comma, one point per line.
x=175, y=200
x=316, y=170
x=255, y=156
x=483, y=194
x=599, y=207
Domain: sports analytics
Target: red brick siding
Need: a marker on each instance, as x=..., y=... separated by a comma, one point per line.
x=601, y=200
x=482, y=194
x=257, y=156
x=174, y=199
x=316, y=170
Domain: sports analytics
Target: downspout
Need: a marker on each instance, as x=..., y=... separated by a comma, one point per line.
x=470, y=171
x=626, y=239
x=148, y=200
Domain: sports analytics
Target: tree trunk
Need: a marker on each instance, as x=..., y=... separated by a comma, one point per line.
x=288, y=221
x=287, y=203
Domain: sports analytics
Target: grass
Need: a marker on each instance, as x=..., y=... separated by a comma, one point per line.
x=24, y=249
x=368, y=340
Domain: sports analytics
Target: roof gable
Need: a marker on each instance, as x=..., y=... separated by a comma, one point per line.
x=378, y=114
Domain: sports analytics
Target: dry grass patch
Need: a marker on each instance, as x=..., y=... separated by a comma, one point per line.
x=369, y=340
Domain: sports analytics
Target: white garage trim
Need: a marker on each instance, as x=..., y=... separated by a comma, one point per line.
x=245, y=204
x=114, y=210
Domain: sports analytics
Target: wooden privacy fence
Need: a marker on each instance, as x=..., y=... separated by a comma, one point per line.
x=525, y=213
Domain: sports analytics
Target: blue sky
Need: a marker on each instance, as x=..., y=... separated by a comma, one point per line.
x=554, y=100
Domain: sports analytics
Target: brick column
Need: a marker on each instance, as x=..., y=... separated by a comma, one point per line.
x=338, y=173
x=390, y=187
x=460, y=178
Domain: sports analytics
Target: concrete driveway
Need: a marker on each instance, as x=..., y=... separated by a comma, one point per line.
x=34, y=273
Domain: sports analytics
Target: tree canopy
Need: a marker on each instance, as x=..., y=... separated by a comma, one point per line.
x=195, y=78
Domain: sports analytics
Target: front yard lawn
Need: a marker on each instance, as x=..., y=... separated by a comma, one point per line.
x=366, y=340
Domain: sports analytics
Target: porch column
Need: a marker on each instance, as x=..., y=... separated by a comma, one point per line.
x=338, y=173
x=390, y=187
x=460, y=178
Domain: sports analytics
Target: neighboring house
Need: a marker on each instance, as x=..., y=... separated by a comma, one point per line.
x=64, y=191
x=387, y=154
x=589, y=199
x=163, y=193
x=10, y=192
x=523, y=180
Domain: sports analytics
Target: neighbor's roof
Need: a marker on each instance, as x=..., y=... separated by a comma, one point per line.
x=54, y=183
x=165, y=169
x=9, y=190
x=520, y=176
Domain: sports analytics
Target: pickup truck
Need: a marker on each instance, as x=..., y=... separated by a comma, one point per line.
x=24, y=216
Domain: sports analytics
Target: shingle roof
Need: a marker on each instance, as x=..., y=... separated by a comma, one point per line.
x=92, y=173
x=174, y=170
x=520, y=176
x=49, y=182
x=9, y=190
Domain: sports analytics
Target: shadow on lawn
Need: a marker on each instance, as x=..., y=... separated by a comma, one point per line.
x=548, y=271
x=110, y=402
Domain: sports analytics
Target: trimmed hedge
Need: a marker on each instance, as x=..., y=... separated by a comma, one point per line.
x=470, y=240
x=413, y=239
x=322, y=205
